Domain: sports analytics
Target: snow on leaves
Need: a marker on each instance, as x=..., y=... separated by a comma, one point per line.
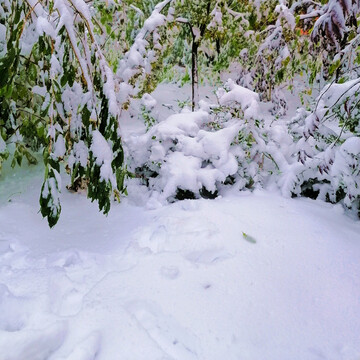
x=56, y=55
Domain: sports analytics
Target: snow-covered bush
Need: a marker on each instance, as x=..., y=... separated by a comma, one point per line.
x=58, y=95
x=327, y=144
x=263, y=149
x=345, y=173
x=193, y=154
x=178, y=155
x=333, y=24
x=336, y=34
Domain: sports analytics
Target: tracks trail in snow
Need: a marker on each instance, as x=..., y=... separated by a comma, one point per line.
x=180, y=282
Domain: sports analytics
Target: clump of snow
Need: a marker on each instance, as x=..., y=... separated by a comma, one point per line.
x=148, y=101
x=100, y=148
x=103, y=156
x=59, y=147
x=3, y=46
x=39, y=90
x=286, y=13
x=2, y=144
x=351, y=146
x=337, y=93
x=53, y=129
x=79, y=154
x=216, y=21
x=109, y=87
x=44, y=27
x=248, y=99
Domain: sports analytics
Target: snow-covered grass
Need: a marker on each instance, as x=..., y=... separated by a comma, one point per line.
x=180, y=282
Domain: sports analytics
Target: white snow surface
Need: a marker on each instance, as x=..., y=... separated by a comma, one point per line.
x=180, y=282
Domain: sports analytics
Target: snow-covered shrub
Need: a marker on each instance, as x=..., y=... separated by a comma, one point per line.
x=276, y=48
x=178, y=155
x=334, y=21
x=242, y=106
x=58, y=95
x=345, y=173
x=262, y=149
x=274, y=52
x=197, y=153
x=336, y=31
x=327, y=144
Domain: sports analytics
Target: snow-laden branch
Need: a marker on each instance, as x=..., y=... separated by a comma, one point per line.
x=138, y=59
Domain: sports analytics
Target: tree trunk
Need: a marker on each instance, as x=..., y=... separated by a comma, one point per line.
x=194, y=75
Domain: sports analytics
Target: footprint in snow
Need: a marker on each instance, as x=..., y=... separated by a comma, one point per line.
x=154, y=240
x=208, y=256
x=65, y=297
x=32, y=344
x=169, y=272
x=5, y=247
x=86, y=349
x=158, y=239
x=65, y=259
x=14, y=312
x=165, y=331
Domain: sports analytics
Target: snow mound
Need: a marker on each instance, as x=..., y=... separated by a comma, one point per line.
x=184, y=156
x=248, y=99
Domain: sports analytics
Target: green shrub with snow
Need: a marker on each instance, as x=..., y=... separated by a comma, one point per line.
x=57, y=93
x=196, y=154
x=327, y=146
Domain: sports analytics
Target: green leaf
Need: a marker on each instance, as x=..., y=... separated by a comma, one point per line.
x=249, y=238
x=334, y=66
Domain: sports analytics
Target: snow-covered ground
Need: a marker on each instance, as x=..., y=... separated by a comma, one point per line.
x=181, y=282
